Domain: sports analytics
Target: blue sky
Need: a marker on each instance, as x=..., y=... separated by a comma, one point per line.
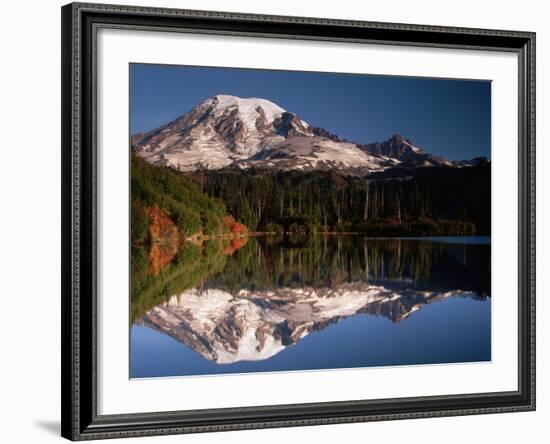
x=450, y=118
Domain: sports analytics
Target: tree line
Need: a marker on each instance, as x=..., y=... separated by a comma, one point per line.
x=428, y=201
x=270, y=262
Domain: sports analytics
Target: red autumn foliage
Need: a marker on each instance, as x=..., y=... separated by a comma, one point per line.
x=234, y=245
x=234, y=227
x=161, y=226
x=161, y=256
x=164, y=237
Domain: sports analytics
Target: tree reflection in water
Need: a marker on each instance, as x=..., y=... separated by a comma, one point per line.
x=233, y=301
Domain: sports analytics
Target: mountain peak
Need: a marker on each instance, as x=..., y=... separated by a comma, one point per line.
x=399, y=138
x=248, y=107
x=219, y=131
x=396, y=147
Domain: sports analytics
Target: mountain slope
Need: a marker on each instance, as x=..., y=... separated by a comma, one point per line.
x=231, y=132
x=219, y=131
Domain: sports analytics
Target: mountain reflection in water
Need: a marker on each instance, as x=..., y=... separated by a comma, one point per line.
x=267, y=296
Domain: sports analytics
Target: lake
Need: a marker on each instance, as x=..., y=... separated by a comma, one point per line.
x=264, y=304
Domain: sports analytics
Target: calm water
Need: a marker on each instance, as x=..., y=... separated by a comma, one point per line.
x=300, y=303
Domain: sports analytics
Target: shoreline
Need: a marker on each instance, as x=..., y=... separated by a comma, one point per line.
x=329, y=233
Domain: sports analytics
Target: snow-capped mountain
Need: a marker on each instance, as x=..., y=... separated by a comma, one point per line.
x=255, y=325
x=226, y=131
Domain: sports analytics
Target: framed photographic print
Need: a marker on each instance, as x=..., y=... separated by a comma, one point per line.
x=280, y=221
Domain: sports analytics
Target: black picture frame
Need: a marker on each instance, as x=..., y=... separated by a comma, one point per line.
x=80, y=22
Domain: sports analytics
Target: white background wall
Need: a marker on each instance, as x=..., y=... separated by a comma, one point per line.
x=30, y=220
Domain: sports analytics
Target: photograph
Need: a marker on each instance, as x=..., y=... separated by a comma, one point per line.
x=296, y=220
x=274, y=223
